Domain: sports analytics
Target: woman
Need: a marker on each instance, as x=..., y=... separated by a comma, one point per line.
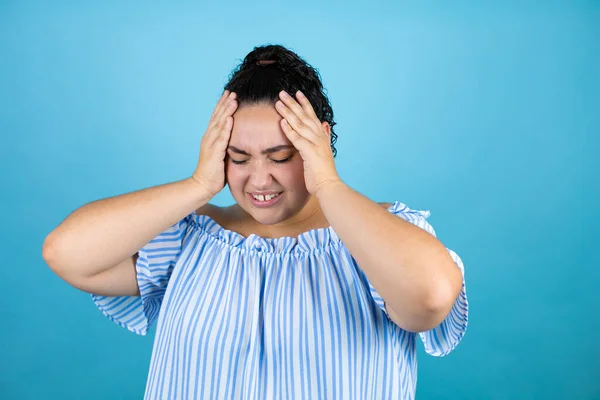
x=303, y=288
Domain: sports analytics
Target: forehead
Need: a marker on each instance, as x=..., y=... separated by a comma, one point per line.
x=257, y=127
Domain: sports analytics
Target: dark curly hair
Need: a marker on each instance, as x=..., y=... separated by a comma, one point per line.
x=269, y=69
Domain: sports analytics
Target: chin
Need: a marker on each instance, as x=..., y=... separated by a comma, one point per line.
x=265, y=216
x=266, y=219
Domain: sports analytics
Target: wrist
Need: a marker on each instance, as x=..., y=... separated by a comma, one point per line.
x=329, y=188
x=201, y=194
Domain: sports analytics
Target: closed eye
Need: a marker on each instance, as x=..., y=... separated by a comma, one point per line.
x=275, y=161
x=282, y=161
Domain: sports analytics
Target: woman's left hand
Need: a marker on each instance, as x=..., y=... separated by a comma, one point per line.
x=312, y=139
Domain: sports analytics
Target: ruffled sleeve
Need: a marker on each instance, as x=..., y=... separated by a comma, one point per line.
x=154, y=266
x=442, y=339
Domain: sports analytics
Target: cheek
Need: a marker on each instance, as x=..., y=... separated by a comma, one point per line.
x=293, y=176
x=233, y=175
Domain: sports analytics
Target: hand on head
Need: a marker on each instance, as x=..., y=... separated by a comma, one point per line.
x=210, y=172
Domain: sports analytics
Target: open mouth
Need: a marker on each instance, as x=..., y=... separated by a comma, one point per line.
x=264, y=200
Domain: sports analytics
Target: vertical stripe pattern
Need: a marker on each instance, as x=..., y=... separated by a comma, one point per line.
x=257, y=318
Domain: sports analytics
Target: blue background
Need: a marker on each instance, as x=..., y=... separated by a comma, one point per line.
x=487, y=115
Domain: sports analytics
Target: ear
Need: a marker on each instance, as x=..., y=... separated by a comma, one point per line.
x=326, y=128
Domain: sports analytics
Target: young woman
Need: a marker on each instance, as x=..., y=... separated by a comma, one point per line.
x=303, y=288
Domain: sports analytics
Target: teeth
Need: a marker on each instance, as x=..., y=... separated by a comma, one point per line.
x=268, y=197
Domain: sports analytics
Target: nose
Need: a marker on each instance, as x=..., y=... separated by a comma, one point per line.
x=260, y=176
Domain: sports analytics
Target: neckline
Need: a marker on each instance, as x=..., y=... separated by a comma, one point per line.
x=309, y=241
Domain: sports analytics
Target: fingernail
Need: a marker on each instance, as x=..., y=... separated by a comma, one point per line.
x=299, y=93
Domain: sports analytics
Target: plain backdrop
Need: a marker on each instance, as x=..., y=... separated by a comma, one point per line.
x=486, y=115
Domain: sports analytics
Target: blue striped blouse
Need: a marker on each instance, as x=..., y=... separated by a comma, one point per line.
x=266, y=318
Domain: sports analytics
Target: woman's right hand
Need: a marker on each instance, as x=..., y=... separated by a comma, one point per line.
x=210, y=172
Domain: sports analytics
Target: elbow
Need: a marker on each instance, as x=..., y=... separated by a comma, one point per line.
x=54, y=257
x=428, y=318
x=440, y=300
x=49, y=251
x=434, y=306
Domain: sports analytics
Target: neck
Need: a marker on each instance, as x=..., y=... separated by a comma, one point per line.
x=310, y=213
x=309, y=217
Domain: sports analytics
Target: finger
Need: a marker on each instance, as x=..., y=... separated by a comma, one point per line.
x=305, y=103
x=296, y=123
x=227, y=95
x=223, y=125
x=222, y=105
x=227, y=101
x=303, y=110
x=222, y=99
x=220, y=134
x=299, y=142
x=222, y=140
x=296, y=108
x=310, y=111
x=226, y=110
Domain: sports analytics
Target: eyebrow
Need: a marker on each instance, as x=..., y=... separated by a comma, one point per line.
x=266, y=151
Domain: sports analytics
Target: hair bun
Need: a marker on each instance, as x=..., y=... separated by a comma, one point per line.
x=265, y=55
x=269, y=69
x=265, y=62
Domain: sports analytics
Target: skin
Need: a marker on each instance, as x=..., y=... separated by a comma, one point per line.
x=257, y=128
x=418, y=279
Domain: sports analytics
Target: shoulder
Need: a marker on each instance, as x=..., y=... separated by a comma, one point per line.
x=218, y=214
x=224, y=216
x=208, y=210
x=386, y=205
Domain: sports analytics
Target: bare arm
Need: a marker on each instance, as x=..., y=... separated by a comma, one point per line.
x=95, y=247
x=417, y=278
x=409, y=267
